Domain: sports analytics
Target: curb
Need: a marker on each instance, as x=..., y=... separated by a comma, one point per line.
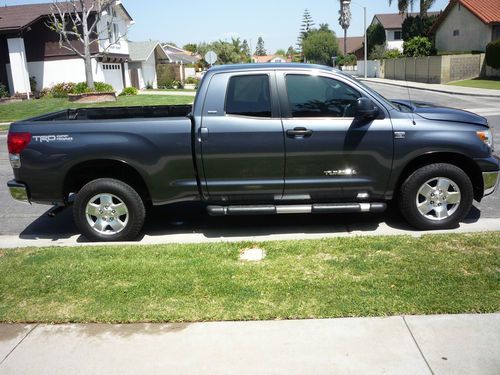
x=15, y=241
x=409, y=85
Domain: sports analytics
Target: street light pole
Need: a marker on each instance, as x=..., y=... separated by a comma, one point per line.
x=366, y=46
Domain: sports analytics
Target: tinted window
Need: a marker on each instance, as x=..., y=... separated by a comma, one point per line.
x=249, y=96
x=314, y=96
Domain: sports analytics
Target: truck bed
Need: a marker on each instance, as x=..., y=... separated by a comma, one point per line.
x=116, y=113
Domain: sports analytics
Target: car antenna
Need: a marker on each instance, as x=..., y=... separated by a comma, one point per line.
x=411, y=104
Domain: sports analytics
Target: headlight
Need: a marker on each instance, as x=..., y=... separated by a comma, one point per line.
x=487, y=137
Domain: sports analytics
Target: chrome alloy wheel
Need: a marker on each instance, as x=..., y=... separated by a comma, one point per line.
x=107, y=214
x=438, y=198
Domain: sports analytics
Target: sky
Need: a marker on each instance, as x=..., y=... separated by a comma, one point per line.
x=277, y=21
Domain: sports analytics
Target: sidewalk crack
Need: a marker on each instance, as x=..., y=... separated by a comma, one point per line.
x=418, y=346
x=19, y=343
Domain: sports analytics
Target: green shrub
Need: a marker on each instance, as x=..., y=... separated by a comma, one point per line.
x=33, y=84
x=61, y=90
x=417, y=47
x=392, y=54
x=493, y=54
x=375, y=36
x=191, y=81
x=103, y=87
x=81, y=88
x=149, y=85
x=347, y=60
x=4, y=92
x=177, y=84
x=46, y=93
x=129, y=91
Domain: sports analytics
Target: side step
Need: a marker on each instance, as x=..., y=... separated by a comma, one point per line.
x=296, y=209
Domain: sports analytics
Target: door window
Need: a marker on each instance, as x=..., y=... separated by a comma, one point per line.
x=249, y=95
x=315, y=96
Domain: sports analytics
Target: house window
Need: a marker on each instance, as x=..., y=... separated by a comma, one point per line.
x=398, y=35
x=496, y=32
x=456, y=32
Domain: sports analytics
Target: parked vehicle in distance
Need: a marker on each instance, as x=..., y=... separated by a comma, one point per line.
x=259, y=140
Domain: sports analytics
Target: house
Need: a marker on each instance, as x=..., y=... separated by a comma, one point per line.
x=467, y=25
x=355, y=46
x=144, y=57
x=271, y=59
x=28, y=48
x=176, y=55
x=393, y=26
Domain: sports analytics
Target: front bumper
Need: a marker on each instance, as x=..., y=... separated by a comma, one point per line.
x=490, y=180
x=18, y=191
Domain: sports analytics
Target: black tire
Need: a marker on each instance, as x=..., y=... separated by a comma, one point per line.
x=407, y=200
x=130, y=222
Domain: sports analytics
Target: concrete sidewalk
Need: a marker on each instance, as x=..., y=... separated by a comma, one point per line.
x=445, y=344
x=447, y=89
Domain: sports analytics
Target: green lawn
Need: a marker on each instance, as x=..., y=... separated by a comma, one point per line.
x=18, y=111
x=479, y=83
x=341, y=277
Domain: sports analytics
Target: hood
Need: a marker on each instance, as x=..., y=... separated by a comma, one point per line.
x=430, y=111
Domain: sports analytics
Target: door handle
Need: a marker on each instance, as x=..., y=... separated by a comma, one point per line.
x=299, y=132
x=203, y=134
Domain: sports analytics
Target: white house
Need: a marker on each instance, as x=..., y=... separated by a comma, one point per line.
x=28, y=48
x=144, y=56
x=393, y=26
x=467, y=25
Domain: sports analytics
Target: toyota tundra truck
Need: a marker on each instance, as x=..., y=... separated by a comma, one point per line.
x=265, y=139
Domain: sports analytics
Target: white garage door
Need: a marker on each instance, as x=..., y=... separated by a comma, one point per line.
x=113, y=75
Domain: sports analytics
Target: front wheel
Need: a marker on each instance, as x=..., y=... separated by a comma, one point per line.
x=109, y=210
x=436, y=196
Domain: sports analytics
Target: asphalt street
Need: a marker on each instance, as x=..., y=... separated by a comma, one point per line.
x=31, y=221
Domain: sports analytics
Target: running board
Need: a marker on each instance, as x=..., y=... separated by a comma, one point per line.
x=296, y=209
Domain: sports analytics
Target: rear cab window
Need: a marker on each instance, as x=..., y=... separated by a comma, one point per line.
x=249, y=95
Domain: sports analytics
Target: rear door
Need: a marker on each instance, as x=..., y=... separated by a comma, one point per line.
x=329, y=155
x=242, y=141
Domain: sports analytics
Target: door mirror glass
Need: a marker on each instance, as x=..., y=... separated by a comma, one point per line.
x=366, y=110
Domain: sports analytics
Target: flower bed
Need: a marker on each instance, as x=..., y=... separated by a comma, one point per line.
x=93, y=97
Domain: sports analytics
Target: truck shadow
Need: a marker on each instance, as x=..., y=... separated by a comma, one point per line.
x=191, y=219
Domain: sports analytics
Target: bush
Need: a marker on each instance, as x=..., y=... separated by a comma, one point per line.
x=149, y=86
x=129, y=91
x=380, y=53
x=3, y=91
x=33, y=84
x=81, y=88
x=191, y=81
x=177, y=84
x=493, y=54
x=416, y=26
x=417, y=47
x=392, y=54
x=347, y=60
x=46, y=93
x=103, y=87
x=61, y=90
x=375, y=36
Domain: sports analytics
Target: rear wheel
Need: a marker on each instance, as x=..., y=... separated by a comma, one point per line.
x=437, y=196
x=109, y=210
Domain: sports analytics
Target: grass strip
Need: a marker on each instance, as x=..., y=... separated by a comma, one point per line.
x=343, y=277
x=31, y=108
x=478, y=83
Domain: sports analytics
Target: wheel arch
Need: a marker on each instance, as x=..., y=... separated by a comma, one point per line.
x=459, y=160
x=82, y=173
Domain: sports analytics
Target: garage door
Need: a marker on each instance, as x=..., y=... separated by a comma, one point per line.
x=113, y=75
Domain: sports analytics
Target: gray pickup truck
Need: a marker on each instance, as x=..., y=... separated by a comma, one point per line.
x=259, y=140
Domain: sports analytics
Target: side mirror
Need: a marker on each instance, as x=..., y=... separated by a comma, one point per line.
x=366, y=110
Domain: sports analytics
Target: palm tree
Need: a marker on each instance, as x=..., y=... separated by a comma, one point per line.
x=403, y=5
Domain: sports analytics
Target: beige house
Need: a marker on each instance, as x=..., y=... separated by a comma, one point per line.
x=270, y=59
x=467, y=25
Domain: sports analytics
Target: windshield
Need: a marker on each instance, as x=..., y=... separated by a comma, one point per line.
x=371, y=91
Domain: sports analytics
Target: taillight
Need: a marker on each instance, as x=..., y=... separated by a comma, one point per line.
x=17, y=142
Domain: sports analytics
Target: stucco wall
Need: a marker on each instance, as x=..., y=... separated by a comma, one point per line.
x=474, y=34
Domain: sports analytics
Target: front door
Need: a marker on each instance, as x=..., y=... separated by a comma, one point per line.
x=241, y=138
x=329, y=156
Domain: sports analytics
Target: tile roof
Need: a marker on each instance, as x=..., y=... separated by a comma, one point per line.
x=353, y=44
x=395, y=20
x=487, y=11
